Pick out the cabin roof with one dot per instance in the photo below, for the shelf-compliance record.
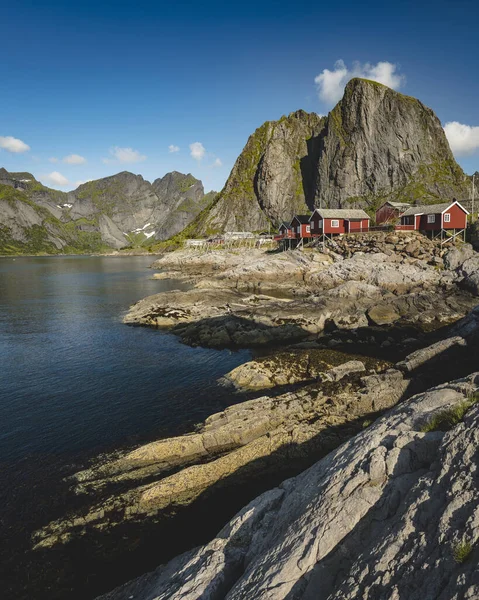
(431, 209)
(303, 219)
(284, 224)
(342, 213)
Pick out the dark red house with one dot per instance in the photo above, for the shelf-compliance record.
(330, 221)
(440, 220)
(284, 229)
(284, 232)
(390, 212)
(300, 227)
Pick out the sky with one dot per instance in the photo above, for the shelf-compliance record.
(89, 89)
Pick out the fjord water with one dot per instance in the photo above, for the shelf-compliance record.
(74, 379)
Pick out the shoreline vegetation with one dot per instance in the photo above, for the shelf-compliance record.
(340, 337)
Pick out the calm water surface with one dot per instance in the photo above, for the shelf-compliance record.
(73, 378)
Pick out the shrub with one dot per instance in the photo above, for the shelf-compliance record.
(450, 417)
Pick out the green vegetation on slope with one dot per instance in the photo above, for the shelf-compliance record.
(38, 238)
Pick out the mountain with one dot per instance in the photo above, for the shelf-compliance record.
(114, 212)
(376, 144)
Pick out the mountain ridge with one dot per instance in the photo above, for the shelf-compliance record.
(118, 211)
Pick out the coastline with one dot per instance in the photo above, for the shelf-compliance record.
(330, 358)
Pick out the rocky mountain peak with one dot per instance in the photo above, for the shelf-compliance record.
(375, 145)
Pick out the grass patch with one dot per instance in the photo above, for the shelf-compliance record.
(461, 551)
(446, 419)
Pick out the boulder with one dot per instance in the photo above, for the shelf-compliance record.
(383, 314)
(348, 368)
(470, 272)
(422, 356)
(456, 256)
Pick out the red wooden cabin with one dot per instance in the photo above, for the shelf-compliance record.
(284, 229)
(435, 217)
(301, 227)
(330, 221)
(390, 212)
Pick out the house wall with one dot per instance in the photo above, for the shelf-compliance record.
(425, 226)
(354, 226)
(294, 229)
(458, 218)
(386, 214)
(409, 220)
(315, 228)
(328, 229)
(344, 226)
(304, 230)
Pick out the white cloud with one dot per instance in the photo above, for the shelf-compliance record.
(330, 84)
(53, 159)
(173, 148)
(463, 139)
(217, 163)
(74, 159)
(197, 150)
(124, 155)
(12, 144)
(56, 178)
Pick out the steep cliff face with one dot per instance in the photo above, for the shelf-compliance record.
(182, 198)
(376, 144)
(272, 178)
(113, 212)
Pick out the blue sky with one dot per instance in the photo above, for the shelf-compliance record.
(117, 83)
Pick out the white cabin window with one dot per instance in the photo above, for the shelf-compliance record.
(431, 218)
(298, 229)
(334, 223)
(308, 228)
(447, 218)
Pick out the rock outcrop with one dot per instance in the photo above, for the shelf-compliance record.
(386, 280)
(375, 145)
(391, 513)
(254, 438)
(297, 366)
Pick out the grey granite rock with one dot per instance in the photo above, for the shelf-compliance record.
(391, 513)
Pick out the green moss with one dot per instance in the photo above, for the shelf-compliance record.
(461, 551)
(12, 195)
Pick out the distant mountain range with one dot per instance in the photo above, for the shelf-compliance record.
(111, 213)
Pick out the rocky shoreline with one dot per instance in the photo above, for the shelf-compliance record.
(344, 334)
